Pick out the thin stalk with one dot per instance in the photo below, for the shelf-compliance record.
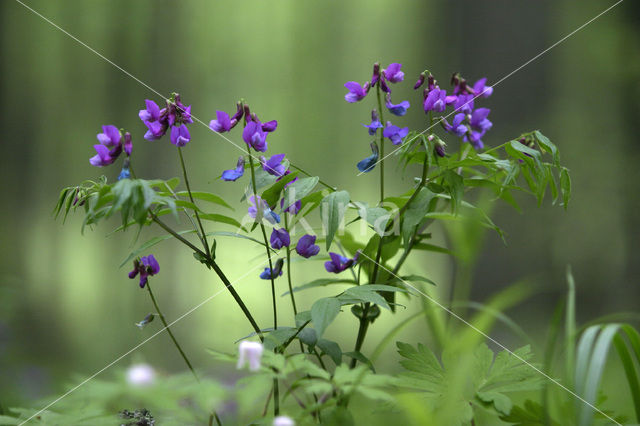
(276, 392)
(217, 270)
(381, 144)
(266, 240)
(213, 414)
(203, 236)
(293, 298)
(166, 326)
(276, 397)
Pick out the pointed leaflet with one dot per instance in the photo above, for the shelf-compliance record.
(323, 312)
(332, 212)
(414, 213)
(298, 189)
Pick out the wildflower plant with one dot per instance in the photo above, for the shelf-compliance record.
(310, 378)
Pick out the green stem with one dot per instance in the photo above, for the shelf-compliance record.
(381, 144)
(266, 240)
(276, 397)
(293, 298)
(203, 236)
(217, 270)
(166, 326)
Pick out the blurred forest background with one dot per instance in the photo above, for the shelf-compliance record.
(66, 308)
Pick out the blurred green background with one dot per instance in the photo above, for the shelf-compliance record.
(66, 308)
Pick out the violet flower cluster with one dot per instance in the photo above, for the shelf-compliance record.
(357, 92)
(468, 123)
(174, 116)
(146, 266)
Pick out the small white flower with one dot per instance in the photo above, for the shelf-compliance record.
(250, 352)
(283, 421)
(141, 375)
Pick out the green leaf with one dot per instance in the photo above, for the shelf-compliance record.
(454, 185)
(332, 212)
(377, 217)
(366, 293)
(206, 196)
(360, 357)
(410, 278)
(546, 144)
(332, 349)
(323, 312)
(414, 213)
(322, 282)
(298, 190)
(565, 186)
(220, 218)
(272, 194)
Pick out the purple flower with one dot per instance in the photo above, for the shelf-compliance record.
(475, 139)
(280, 238)
(152, 113)
(420, 81)
(103, 157)
(481, 89)
(307, 247)
(400, 109)
(267, 213)
(109, 138)
(273, 165)
(395, 133)
(127, 144)
(464, 103)
(222, 124)
(234, 174)
(268, 274)
(156, 130)
(356, 91)
(479, 120)
(456, 127)
(375, 77)
(146, 266)
(180, 135)
(269, 126)
(339, 263)
(293, 208)
(393, 73)
(370, 162)
(436, 100)
(254, 136)
(375, 123)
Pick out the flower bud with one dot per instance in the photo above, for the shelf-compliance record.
(251, 353)
(420, 82)
(283, 421)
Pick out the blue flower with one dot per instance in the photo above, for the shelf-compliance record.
(356, 91)
(375, 123)
(307, 247)
(369, 163)
(339, 263)
(268, 274)
(280, 238)
(399, 109)
(234, 174)
(395, 133)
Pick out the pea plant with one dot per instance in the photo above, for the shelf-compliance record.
(296, 375)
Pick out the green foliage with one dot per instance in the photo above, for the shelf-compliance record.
(332, 212)
(490, 380)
